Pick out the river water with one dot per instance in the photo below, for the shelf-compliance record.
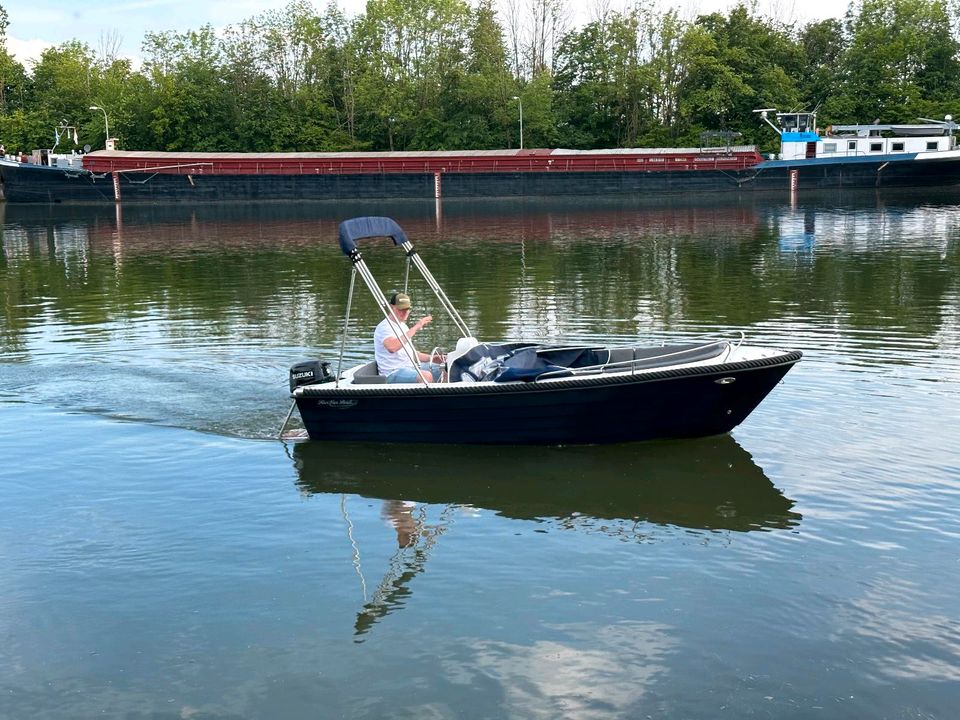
(162, 556)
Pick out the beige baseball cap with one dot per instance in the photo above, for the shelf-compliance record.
(401, 301)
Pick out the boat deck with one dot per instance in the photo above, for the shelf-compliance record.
(453, 162)
(621, 363)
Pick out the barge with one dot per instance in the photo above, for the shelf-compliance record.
(852, 156)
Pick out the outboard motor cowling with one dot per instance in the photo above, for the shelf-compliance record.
(310, 372)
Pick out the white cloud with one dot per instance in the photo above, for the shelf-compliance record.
(26, 52)
(601, 672)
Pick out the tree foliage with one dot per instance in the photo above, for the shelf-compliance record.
(450, 74)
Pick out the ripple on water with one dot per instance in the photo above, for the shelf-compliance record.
(807, 561)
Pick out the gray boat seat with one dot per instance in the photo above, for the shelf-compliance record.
(647, 357)
(368, 375)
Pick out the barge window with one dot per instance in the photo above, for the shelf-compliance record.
(851, 144)
(897, 146)
(829, 147)
(876, 147)
(933, 145)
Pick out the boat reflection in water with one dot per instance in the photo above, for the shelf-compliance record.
(623, 490)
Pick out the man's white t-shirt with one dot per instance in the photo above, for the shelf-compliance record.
(387, 361)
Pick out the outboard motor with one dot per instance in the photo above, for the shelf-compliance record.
(310, 372)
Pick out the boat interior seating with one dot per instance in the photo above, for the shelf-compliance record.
(527, 362)
(642, 358)
(368, 375)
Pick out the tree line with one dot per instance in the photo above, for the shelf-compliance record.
(447, 74)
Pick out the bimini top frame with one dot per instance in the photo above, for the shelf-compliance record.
(369, 227)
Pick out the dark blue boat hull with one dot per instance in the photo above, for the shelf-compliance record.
(40, 184)
(879, 171)
(694, 402)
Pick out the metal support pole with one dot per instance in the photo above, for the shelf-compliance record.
(286, 420)
(415, 258)
(405, 342)
(346, 326)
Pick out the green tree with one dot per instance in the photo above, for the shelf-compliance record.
(539, 120)
(191, 104)
(409, 51)
(671, 43)
(824, 81)
(437, 74)
(480, 110)
(64, 81)
(592, 66)
(739, 63)
(13, 77)
(902, 59)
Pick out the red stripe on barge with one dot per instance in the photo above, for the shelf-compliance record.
(474, 161)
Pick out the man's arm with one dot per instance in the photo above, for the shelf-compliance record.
(392, 342)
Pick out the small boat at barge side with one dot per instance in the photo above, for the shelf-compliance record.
(850, 156)
(529, 393)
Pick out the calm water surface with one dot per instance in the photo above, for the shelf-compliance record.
(161, 556)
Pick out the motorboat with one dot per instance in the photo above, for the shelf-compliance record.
(517, 392)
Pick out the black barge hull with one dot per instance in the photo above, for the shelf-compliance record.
(25, 183)
(35, 184)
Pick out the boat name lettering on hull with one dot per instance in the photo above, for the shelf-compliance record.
(338, 404)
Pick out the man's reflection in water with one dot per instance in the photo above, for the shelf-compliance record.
(415, 539)
(399, 513)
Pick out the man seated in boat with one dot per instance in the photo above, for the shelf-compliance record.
(392, 359)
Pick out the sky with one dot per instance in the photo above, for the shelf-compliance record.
(38, 24)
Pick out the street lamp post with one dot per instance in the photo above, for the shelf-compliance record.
(520, 103)
(106, 124)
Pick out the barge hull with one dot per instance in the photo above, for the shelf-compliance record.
(25, 183)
